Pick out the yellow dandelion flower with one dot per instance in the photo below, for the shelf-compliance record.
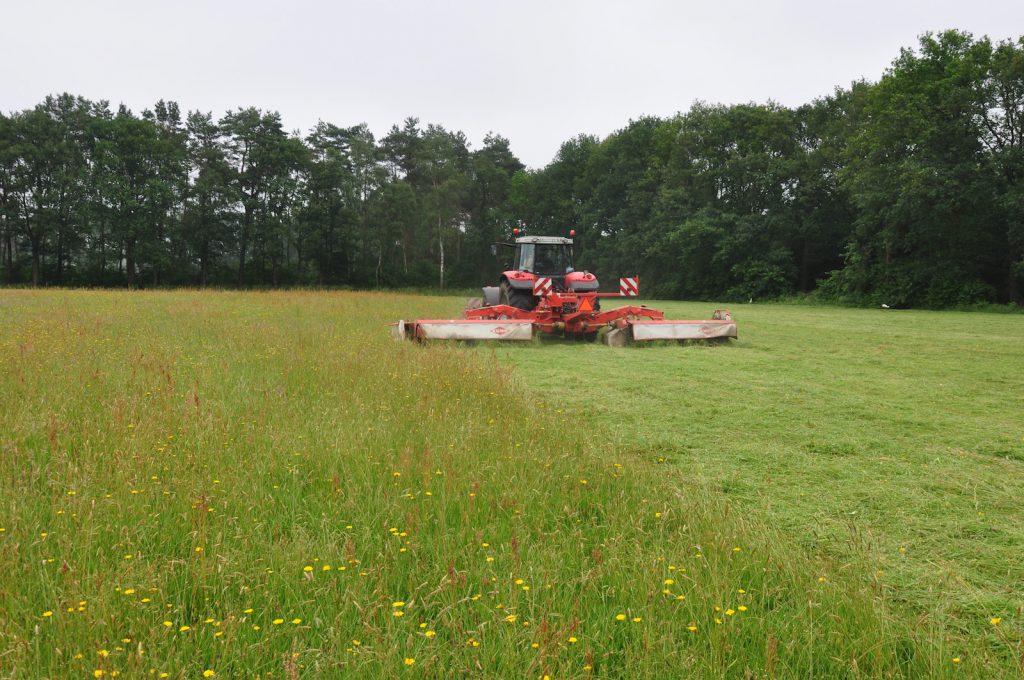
(184, 628)
(98, 673)
(742, 608)
(129, 591)
(326, 567)
(669, 581)
(398, 613)
(430, 634)
(620, 617)
(208, 673)
(409, 661)
(47, 614)
(573, 640)
(278, 622)
(398, 604)
(255, 627)
(247, 611)
(535, 646)
(637, 619)
(296, 621)
(995, 620)
(103, 653)
(729, 612)
(692, 628)
(956, 659)
(307, 568)
(168, 624)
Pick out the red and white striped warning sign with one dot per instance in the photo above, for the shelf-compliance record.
(542, 286)
(630, 286)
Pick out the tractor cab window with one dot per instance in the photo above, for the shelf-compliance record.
(545, 259)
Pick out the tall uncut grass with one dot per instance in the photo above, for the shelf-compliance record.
(266, 485)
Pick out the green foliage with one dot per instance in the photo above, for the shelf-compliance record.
(908, 192)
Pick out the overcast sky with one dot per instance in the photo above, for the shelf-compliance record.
(535, 72)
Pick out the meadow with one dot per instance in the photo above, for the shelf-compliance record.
(265, 485)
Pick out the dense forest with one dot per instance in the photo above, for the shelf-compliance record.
(907, 191)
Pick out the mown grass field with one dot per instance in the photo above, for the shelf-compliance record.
(266, 485)
(896, 435)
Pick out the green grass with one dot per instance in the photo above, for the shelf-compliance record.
(175, 461)
(897, 435)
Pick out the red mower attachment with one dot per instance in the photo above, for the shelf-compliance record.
(572, 314)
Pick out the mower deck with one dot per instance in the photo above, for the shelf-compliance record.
(571, 314)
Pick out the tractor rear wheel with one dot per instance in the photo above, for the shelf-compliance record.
(520, 299)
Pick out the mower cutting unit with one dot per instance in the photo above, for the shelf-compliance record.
(543, 293)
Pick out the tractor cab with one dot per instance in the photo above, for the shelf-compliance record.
(533, 258)
(543, 255)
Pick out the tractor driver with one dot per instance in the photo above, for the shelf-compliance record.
(544, 263)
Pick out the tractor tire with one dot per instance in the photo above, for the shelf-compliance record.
(520, 299)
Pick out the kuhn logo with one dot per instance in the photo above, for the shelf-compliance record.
(499, 330)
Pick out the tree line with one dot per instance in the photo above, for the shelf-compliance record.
(907, 191)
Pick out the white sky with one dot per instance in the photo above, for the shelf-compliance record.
(535, 72)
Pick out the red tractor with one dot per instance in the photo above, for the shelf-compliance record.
(548, 257)
(544, 292)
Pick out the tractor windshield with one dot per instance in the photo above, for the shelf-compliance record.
(545, 259)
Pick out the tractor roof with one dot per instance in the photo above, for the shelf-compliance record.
(545, 239)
